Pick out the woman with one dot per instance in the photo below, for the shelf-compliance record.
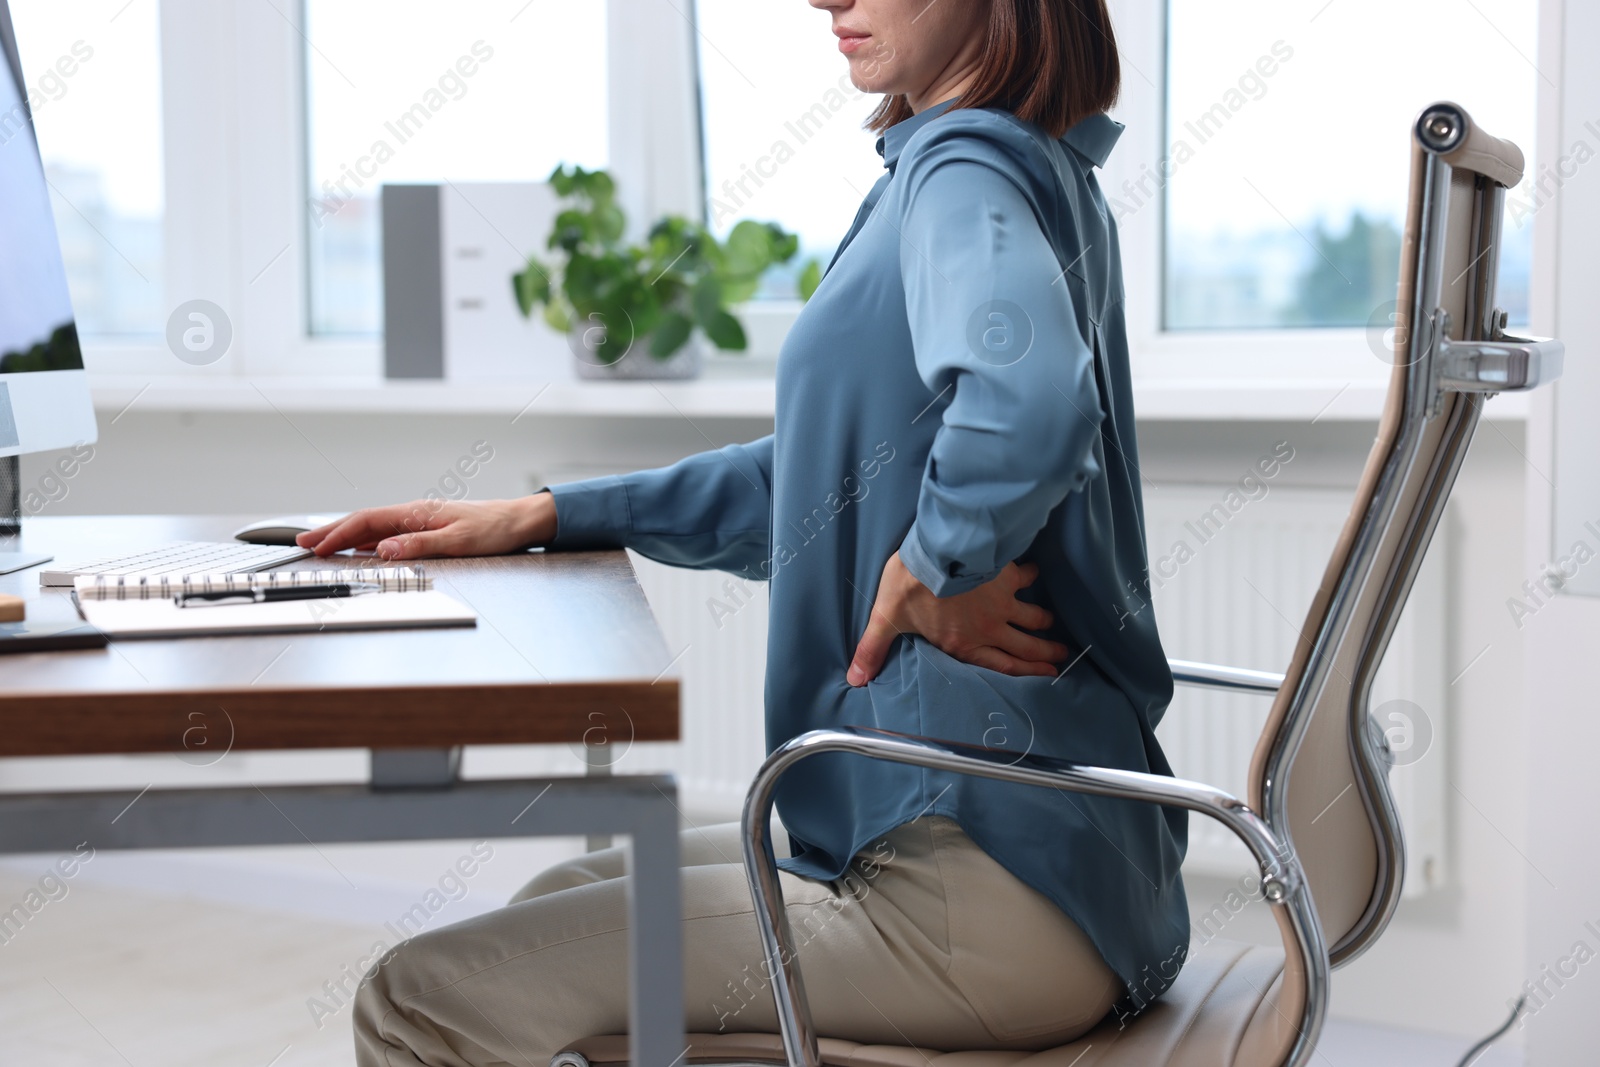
(950, 520)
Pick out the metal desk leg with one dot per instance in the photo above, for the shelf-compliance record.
(655, 937)
(597, 764)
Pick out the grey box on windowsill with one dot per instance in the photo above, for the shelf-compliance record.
(450, 312)
(413, 282)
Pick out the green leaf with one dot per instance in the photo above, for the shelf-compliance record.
(591, 334)
(669, 289)
(749, 248)
(642, 305)
(672, 231)
(725, 332)
(600, 187)
(523, 294)
(810, 278)
(739, 290)
(585, 276)
(670, 334)
(621, 334)
(707, 301)
(555, 314)
(572, 228)
(784, 245)
(616, 332)
(531, 286)
(609, 223)
(748, 230)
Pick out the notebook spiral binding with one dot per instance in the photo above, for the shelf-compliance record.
(408, 579)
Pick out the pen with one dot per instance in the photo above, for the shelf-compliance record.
(258, 595)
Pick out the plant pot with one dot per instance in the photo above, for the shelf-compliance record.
(636, 363)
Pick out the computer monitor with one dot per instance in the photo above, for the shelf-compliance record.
(44, 390)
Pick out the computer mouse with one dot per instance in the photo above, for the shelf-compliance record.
(280, 531)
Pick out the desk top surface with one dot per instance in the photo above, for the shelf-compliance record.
(565, 644)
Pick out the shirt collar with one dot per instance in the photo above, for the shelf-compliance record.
(896, 136)
(1093, 137)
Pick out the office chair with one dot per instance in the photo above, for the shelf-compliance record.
(1331, 871)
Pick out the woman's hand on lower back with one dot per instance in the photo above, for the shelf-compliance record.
(426, 528)
(980, 627)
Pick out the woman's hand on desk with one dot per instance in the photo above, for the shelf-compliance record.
(425, 528)
(978, 627)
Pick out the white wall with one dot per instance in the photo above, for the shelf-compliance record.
(265, 463)
(1561, 870)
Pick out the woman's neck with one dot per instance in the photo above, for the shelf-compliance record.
(953, 83)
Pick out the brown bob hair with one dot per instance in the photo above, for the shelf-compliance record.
(1049, 62)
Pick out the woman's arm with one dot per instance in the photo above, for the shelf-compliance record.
(711, 510)
(994, 330)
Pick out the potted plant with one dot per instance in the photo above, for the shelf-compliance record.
(638, 311)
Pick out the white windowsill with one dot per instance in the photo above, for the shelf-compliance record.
(706, 398)
(1198, 376)
(718, 395)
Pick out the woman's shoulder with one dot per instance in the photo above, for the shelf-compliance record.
(993, 137)
(982, 127)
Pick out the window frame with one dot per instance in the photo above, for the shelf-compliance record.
(234, 123)
(1249, 361)
(234, 130)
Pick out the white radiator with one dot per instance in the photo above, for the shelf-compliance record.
(719, 623)
(716, 629)
(1237, 601)
(1240, 601)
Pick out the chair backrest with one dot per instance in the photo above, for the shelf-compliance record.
(1320, 771)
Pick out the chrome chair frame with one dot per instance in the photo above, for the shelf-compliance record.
(1282, 879)
(1484, 362)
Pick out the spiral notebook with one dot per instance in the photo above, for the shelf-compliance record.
(145, 607)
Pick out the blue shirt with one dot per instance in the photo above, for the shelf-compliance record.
(957, 390)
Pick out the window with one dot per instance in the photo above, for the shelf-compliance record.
(93, 74)
(235, 152)
(418, 91)
(1287, 154)
(782, 128)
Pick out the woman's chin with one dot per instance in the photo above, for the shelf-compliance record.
(866, 77)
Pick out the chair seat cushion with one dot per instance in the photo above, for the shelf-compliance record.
(1223, 1011)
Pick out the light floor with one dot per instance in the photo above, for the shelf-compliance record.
(212, 959)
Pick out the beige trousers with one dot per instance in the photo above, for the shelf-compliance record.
(925, 941)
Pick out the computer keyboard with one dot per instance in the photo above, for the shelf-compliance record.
(181, 557)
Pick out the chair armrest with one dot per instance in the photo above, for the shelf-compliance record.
(1506, 365)
(1211, 676)
(1282, 877)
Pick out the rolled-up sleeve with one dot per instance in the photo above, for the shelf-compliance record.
(995, 335)
(711, 511)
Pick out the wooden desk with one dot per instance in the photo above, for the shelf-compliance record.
(565, 646)
(559, 637)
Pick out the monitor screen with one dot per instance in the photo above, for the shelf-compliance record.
(37, 332)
